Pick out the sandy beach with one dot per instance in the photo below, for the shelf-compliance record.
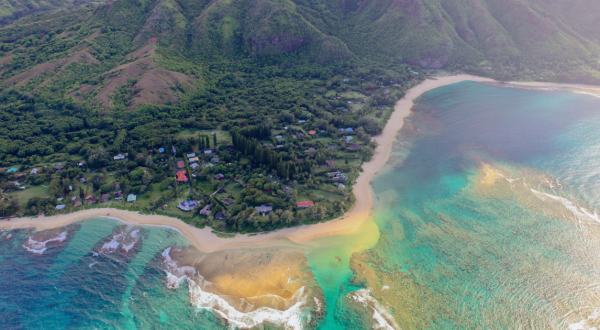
(206, 241)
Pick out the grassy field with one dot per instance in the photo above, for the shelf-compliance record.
(25, 195)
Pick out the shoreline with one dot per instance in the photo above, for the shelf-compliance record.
(349, 223)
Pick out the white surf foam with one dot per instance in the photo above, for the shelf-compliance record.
(577, 210)
(125, 240)
(380, 315)
(36, 247)
(290, 319)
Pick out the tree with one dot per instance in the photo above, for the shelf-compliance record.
(273, 218)
(149, 161)
(97, 157)
(287, 216)
(215, 139)
(147, 177)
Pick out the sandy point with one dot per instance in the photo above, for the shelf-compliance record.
(207, 241)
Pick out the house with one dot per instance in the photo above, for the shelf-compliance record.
(341, 186)
(118, 195)
(264, 209)
(305, 204)
(207, 152)
(180, 164)
(215, 160)
(91, 199)
(77, 203)
(337, 175)
(209, 165)
(386, 92)
(220, 216)
(280, 146)
(181, 176)
(301, 121)
(279, 137)
(186, 206)
(60, 199)
(83, 180)
(300, 135)
(104, 198)
(81, 164)
(287, 190)
(34, 171)
(161, 150)
(131, 198)
(60, 207)
(310, 150)
(332, 146)
(349, 129)
(219, 176)
(59, 166)
(330, 163)
(192, 155)
(194, 160)
(194, 166)
(349, 138)
(119, 157)
(227, 201)
(312, 132)
(355, 146)
(205, 210)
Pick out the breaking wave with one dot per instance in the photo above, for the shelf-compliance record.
(39, 247)
(241, 313)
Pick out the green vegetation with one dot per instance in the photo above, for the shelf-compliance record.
(270, 96)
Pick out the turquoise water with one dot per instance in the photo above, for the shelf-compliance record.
(485, 218)
(475, 217)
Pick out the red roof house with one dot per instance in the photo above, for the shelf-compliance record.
(305, 204)
(312, 132)
(181, 176)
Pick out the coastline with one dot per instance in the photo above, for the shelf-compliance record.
(350, 223)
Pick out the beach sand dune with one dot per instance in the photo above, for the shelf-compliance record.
(205, 240)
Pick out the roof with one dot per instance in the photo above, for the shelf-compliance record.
(264, 208)
(220, 216)
(161, 150)
(180, 164)
(34, 171)
(181, 176)
(349, 129)
(60, 207)
(305, 204)
(208, 152)
(105, 197)
(131, 198)
(219, 176)
(194, 159)
(191, 155)
(330, 163)
(194, 165)
(311, 132)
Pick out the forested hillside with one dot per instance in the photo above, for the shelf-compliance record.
(235, 104)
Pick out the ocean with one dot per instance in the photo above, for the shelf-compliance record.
(484, 217)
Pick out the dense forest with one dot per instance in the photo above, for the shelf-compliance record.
(210, 110)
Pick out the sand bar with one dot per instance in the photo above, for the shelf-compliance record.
(207, 241)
